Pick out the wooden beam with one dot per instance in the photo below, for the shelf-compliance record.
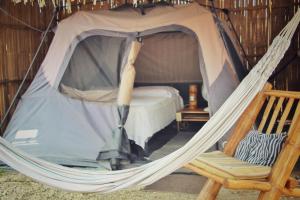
(288, 94)
(291, 192)
(291, 183)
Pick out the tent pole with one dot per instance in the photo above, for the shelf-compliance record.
(28, 70)
(226, 12)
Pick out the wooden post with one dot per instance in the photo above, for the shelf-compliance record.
(286, 161)
(210, 190)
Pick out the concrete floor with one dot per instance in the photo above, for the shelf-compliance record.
(182, 180)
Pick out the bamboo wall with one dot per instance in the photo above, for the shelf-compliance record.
(18, 45)
(256, 23)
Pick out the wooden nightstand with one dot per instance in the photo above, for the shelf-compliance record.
(191, 115)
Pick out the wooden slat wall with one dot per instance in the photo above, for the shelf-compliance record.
(18, 45)
(257, 22)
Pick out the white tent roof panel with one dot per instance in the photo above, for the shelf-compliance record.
(81, 24)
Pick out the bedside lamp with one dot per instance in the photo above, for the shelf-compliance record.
(193, 96)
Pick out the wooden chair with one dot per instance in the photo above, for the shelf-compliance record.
(222, 169)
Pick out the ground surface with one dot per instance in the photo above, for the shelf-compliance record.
(14, 186)
(18, 187)
(181, 185)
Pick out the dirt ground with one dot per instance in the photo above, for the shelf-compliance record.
(13, 185)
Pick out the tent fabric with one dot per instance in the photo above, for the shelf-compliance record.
(108, 95)
(128, 76)
(196, 17)
(214, 129)
(235, 57)
(170, 57)
(118, 147)
(71, 129)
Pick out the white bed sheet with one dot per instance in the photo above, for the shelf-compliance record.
(152, 108)
(150, 114)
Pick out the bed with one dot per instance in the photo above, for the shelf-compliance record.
(152, 108)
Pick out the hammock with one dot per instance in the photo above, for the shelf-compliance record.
(107, 181)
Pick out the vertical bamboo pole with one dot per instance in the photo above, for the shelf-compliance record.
(286, 161)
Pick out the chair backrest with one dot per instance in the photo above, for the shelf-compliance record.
(273, 111)
(280, 111)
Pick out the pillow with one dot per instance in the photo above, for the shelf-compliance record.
(249, 142)
(155, 91)
(260, 148)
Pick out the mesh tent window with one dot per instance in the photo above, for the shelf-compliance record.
(95, 63)
(168, 57)
(165, 57)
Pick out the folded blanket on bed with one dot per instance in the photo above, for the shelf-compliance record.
(109, 95)
(155, 91)
(90, 95)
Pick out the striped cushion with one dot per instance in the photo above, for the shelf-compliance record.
(259, 148)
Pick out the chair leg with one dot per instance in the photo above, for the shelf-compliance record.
(210, 190)
(273, 194)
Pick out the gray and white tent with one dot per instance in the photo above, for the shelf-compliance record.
(98, 51)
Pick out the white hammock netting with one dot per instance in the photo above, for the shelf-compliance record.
(106, 181)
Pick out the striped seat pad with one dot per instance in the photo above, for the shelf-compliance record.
(260, 148)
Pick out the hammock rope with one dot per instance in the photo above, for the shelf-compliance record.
(107, 181)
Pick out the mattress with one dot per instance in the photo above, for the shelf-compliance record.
(150, 111)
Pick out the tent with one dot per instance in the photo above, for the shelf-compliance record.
(99, 50)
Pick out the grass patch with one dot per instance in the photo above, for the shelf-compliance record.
(2, 172)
